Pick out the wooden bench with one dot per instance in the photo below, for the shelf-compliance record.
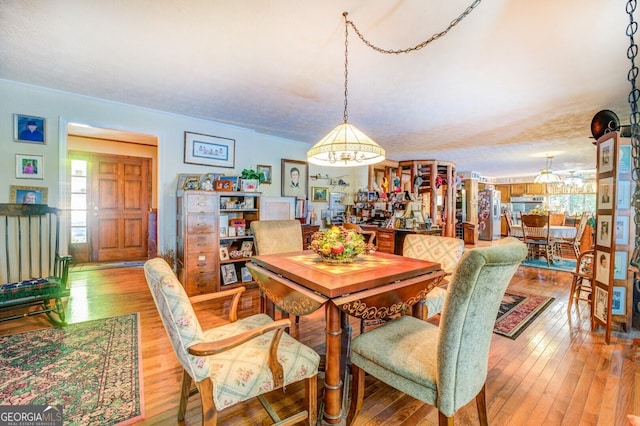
(34, 276)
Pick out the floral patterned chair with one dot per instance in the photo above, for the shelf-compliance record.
(233, 362)
(444, 366)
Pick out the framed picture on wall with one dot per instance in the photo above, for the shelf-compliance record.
(622, 229)
(624, 160)
(29, 166)
(606, 156)
(267, 172)
(319, 194)
(602, 267)
(618, 300)
(27, 128)
(209, 150)
(600, 304)
(28, 194)
(295, 178)
(620, 265)
(605, 193)
(604, 230)
(624, 194)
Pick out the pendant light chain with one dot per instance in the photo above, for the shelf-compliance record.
(434, 37)
(634, 119)
(346, 64)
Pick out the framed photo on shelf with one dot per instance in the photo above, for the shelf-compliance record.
(27, 128)
(246, 275)
(295, 178)
(620, 264)
(29, 166)
(605, 193)
(267, 172)
(209, 150)
(28, 194)
(606, 156)
(320, 194)
(246, 246)
(224, 253)
(618, 300)
(604, 230)
(229, 275)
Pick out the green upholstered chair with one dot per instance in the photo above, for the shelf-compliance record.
(446, 365)
(233, 362)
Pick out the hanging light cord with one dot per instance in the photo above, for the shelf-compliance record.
(634, 119)
(419, 46)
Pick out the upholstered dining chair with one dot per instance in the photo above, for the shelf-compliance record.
(535, 231)
(276, 236)
(446, 365)
(234, 362)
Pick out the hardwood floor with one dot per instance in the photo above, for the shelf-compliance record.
(557, 372)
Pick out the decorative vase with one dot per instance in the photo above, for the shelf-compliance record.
(250, 185)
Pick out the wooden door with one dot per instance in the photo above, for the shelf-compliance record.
(119, 207)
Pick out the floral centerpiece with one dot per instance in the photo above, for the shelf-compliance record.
(338, 245)
(541, 211)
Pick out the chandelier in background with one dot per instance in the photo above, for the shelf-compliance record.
(346, 145)
(546, 175)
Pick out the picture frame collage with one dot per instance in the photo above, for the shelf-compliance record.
(613, 233)
(29, 129)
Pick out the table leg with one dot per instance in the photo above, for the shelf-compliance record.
(332, 379)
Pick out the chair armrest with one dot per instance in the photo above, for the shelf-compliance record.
(235, 292)
(218, 346)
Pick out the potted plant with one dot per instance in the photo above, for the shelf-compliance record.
(251, 179)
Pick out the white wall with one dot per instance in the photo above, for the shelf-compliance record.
(59, 108)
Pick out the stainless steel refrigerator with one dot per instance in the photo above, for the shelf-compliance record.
(488, 215)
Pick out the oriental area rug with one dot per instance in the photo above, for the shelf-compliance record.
(92, 369)
(518, 311)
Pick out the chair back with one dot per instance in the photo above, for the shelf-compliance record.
(371, 235)
(276, 236)
(581, 227)
(177, 314)
(507, 219)
(444, 250)
(535, 227)
(557, 219)
(468, 316)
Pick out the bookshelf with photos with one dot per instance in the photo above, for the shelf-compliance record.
(214, 241)
(615, 234)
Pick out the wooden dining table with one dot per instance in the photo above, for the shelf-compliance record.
(375, 286)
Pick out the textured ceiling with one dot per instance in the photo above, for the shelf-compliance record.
(513, 83)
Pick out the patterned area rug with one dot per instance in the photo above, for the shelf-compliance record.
(517, 312)
(93, 369)
(568, 265)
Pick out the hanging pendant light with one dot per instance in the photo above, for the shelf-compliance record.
(546, 175)
(346, 146)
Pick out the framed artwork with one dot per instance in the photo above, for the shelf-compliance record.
(224, 253)
(605, 193)
(295, 178)
(620, 265)
(600, 305)
(27, 128)
(29, 166)
(606, 156)
(229, 275)
(623, 197)
(622, 230)
(604, 230)
(246, 274)
(267, 172)
(28, 194)
(602, 267)
(624, 160)
(246, 246)
(209, 150)
(320, 194)
(336, 201)
(618, 300)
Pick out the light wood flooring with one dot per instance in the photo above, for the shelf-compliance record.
(557, 372)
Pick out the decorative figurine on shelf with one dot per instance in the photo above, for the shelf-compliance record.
(385, 184)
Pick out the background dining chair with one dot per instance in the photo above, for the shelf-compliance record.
(446, 365)
(572, 243)
(535, 231)
(582, 283)
(370, 236)
(557, 219)
(233, 362)
(511, 230)
(272, 237)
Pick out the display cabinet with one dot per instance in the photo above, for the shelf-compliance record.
(213, 239)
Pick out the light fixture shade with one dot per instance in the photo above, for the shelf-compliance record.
(546, 176)
(346, 146)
